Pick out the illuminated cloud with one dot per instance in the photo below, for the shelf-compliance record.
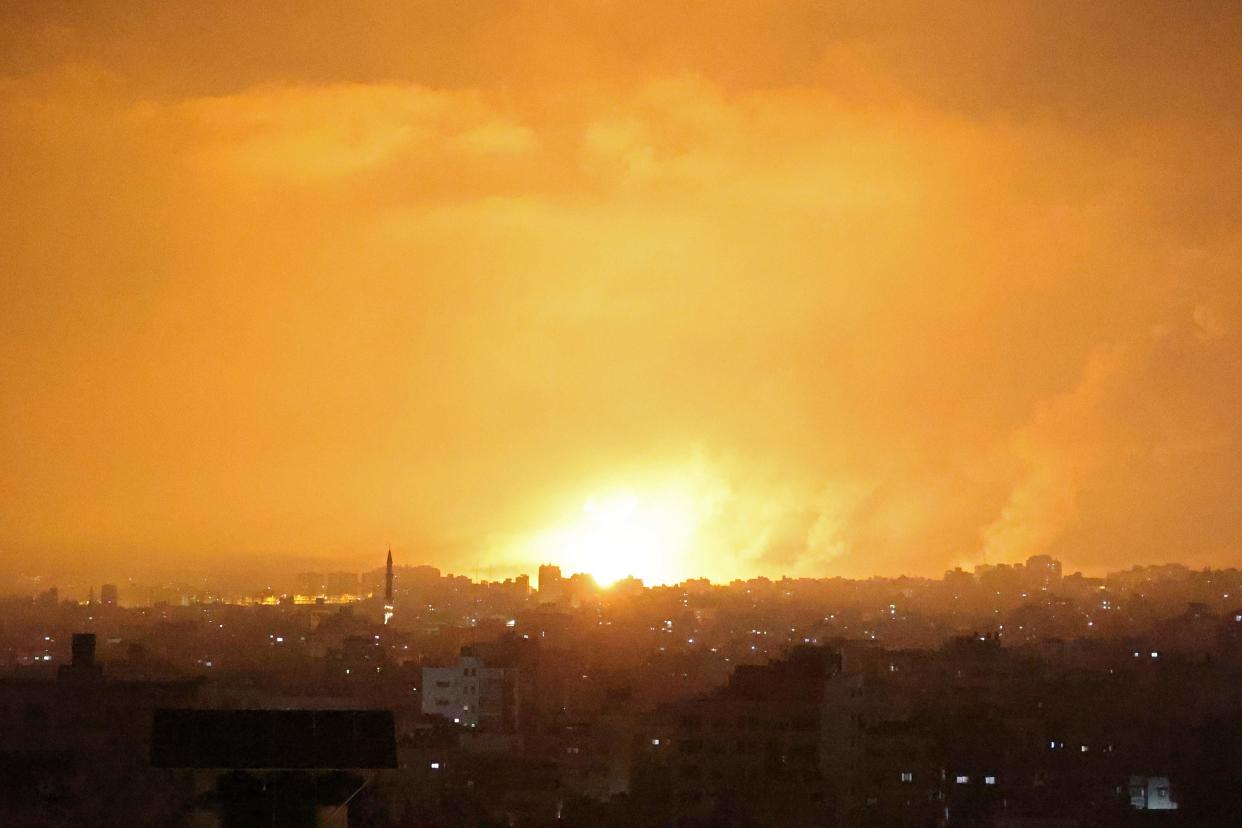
(1119, 468)
(893, 287)
(322, 132)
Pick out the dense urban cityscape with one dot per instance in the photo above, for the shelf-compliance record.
(620, 414)
(1013, 695)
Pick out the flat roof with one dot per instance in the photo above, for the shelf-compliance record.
(290, 739)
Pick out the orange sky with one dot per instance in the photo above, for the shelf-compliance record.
(875, 287)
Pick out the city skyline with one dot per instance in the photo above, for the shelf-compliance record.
(861, 701)
(281, 575)
(345, 587)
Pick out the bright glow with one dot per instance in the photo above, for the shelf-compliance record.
(622, 535)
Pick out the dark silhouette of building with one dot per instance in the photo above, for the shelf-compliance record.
(775, 747)
(550, 584)
(83, 667)
(273, 739)
(91, 736)
(275, 767)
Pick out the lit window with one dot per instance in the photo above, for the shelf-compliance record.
(435, 765)
(962, 780)
(655, 742)
(1155, 654)
(1162, 792)
(989, 780)
(1083, 748)
(907, 776)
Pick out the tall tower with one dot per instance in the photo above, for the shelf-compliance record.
(388, 604)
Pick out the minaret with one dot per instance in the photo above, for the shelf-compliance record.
(388, 604)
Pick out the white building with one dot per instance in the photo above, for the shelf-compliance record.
(471, 693)
(1151, 793)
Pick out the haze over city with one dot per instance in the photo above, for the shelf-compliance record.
(599, 414)
(791, 288)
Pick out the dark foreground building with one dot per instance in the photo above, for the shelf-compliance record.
(74, 750)
(777, 746)
(291, 768)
